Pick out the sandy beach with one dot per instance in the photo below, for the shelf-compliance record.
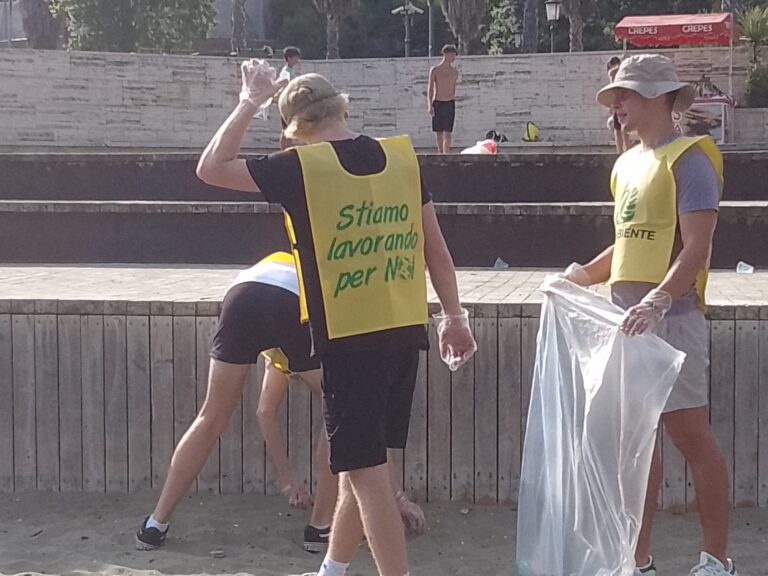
(79, 534)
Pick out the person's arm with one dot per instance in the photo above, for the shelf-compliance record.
(599, 268)
(274, 389)
(696, 231)
(457, 345)
(410, 512)
(442, 273)
(431, 91)
(219, 165)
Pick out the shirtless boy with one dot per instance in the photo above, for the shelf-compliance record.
(441, 94)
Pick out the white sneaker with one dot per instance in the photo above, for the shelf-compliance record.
(710, 566)
(647, 570)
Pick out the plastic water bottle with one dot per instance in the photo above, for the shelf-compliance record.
(744, 268)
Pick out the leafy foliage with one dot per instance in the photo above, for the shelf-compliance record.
(464, 17)
(499, 36)
(754, 29)
(131, 25)
(757, 86)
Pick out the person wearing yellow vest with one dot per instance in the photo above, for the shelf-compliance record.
(666, 193)
(259, 314)
(364, 230)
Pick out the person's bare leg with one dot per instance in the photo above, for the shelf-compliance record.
(439, 138)
(692, 435)
(643, 549)
(225, 386)
(347, 531)
(381, 518)
(447, 139)
(327, 488)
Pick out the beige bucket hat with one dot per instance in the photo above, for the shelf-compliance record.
(650, 75)
(303, 91)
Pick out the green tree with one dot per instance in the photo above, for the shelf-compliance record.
(130, 25)
(334, 11)
(464, 18)
(42, 28)
(754, 29)
(499, 35)
(239, 39)
(578, 12)
(530, 25)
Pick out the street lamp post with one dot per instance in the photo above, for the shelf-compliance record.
(407, 10)
(518, 36)
(430, 32)
(553, 15)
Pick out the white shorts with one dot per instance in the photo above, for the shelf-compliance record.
(688, 333)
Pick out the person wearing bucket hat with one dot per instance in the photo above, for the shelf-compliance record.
(363, 230)
(666, 192)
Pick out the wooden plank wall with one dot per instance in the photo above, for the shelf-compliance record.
(97, 395)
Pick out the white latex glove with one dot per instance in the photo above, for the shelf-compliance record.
(412, 515)
(259, 82)
(574, 273)
(646, 315)
(298, 497)
(457, 345)
(577, 274)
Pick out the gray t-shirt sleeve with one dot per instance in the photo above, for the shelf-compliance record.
(696, 181)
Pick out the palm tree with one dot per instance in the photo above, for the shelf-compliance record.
(43, 30)
(239, 37)
(464, 18)
(754, 29)
(577, 12)
(334, 11)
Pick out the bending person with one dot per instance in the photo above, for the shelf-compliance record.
(260, 312)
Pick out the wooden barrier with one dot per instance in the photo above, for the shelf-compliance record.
(95, 395)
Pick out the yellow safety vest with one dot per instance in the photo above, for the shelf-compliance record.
(645, 212)
(369, 240)
(277, 358)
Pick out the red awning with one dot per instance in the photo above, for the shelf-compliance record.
(675, 30)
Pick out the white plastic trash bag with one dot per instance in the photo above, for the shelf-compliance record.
(596, 400)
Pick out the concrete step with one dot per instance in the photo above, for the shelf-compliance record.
(522, 234)
(168, 175)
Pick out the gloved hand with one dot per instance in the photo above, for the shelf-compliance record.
(574, 273)
(259, 82)
(457, 345)
(647, 314)
(298, 496)
(412, 515)
(578, 275)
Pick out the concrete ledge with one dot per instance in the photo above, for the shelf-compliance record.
(561, 176)
(523, 234)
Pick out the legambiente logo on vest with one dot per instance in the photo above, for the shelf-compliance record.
(626, 213)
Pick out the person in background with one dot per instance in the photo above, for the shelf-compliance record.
(289, 71)
(441, 98)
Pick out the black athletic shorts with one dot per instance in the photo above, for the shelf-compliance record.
(256, 317)
(445, 114)
(367, 397)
